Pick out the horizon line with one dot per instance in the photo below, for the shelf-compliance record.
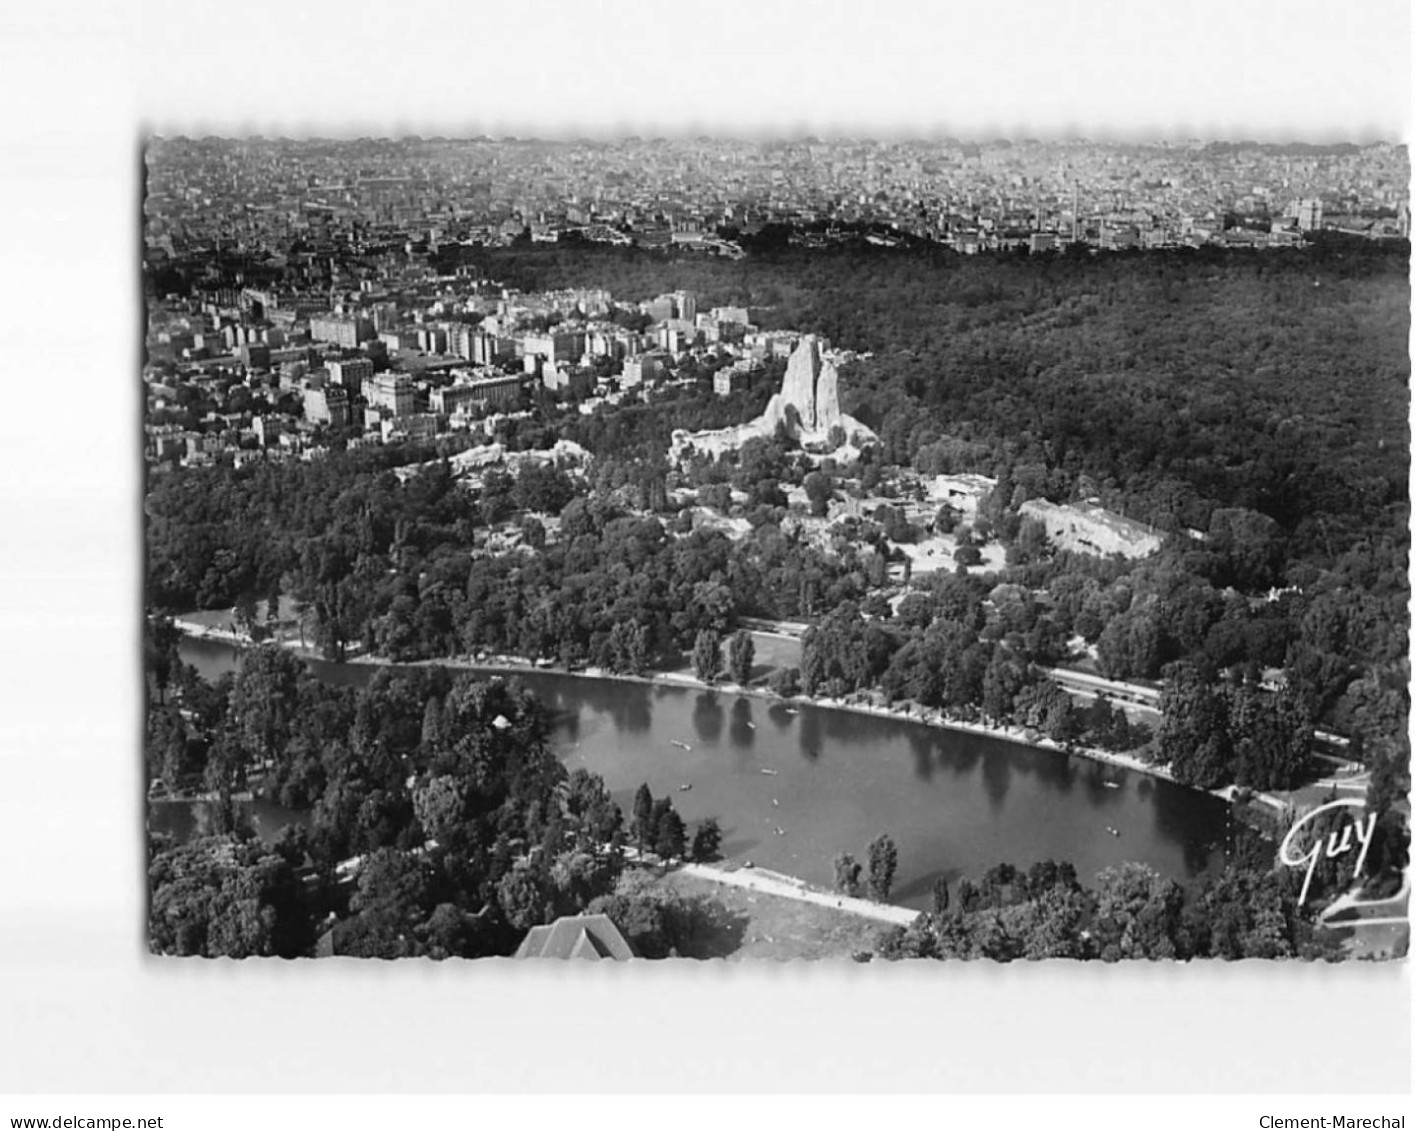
(786, 135)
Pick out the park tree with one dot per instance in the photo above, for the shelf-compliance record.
(1194, 729)
(273, 592)
(440, 804)
(642, 824)
(1248, 549)
(847, 874)
(1138, 914)
(533, 532)
(432, 732)
(393, 897)
(1389, 762)
(243, 614)
(523, 895)
(707, 655)
(224, 897)
(1031, 543)
(1052, 925)
(967, 556)
(1129, 646)
(1245, 912)
(265, 700)
(1271, 736)
(740, 654)
(160, 656)
(451, 932)
(884, 860)
(166, 746)
(968, 896)
(671, 838)
(940, 895)
(843, 652)
(707, 841)
(819, 490)
(628, 647)
(1003, 681)
(1389, 786)
(914, 610)
(784, 682)
(589, 804)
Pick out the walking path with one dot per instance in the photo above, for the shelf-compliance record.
(1399, 903)
(788, 887)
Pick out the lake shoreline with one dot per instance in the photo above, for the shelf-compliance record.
(926, 716)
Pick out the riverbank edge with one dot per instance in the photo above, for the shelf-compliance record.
(763, 881)
(925, 716)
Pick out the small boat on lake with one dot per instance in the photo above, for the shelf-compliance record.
(681, 745)
(1111, 785)
(687, 785)
(771, 772)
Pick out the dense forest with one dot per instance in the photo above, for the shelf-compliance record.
(1175, 382)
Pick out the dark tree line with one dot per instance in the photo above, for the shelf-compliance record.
(1131, 912)
(396, 568)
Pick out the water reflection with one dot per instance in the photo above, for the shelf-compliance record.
(564, 723)
(922, 747)
(782, 715)
(1102, 788)
(737, 847)
(810, 737)
(962, 759)
(743, 729)
(997, 776)
(1175, 820)
(632, 713)
(920, 889)
(708, 716)
(1058, 772)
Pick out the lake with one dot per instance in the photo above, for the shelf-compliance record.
(955, 803)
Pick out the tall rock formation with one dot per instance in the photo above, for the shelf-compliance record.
(798, 390)
(808, 405)
(828, 413)
(812, 388)
(799, 387)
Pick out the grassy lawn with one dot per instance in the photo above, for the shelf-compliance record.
(1386, 940)
(775, 927)
(771, 652)
(774, 652)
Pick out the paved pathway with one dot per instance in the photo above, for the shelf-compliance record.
(773, 883)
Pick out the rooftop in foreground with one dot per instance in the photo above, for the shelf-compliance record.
(577, 936)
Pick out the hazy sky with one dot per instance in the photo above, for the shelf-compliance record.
(1208, 68)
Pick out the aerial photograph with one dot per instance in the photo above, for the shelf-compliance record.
(712, 545)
